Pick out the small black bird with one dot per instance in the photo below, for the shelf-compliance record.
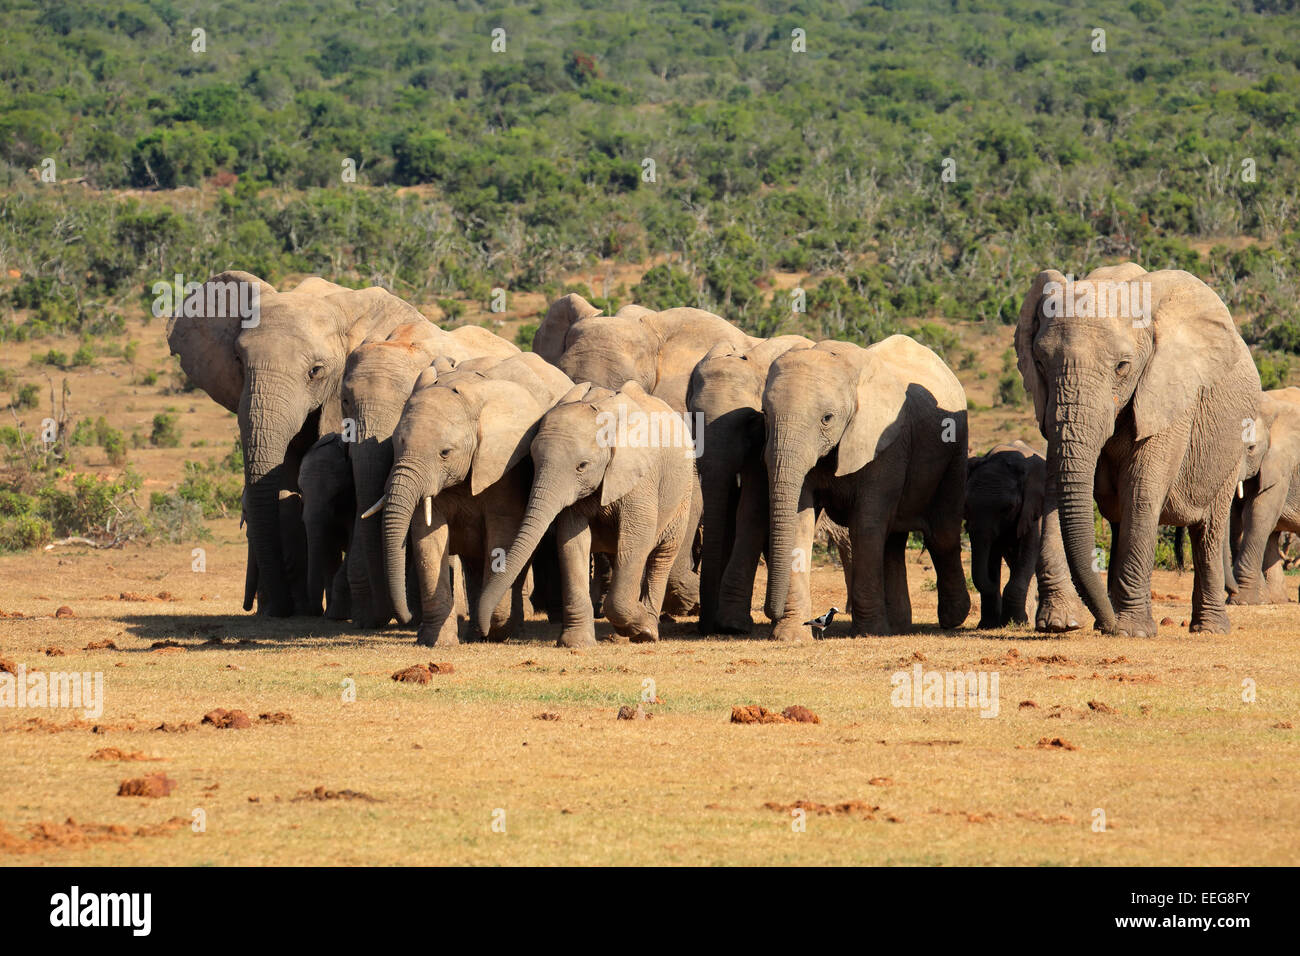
(819, 624)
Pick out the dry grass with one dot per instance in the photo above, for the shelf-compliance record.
(1186, 772)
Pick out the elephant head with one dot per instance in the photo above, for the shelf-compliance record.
(836, 402)
(327, 505)
(1005, 492)
(1121, 346)
(725, 399)
(553, 331)
(279, 368)
(574, 457)
(459, 427)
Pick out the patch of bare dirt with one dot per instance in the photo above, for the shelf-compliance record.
(150, 785)
(1100, 708)
(755, 714)
(278, 717)
(104, 645)
(422, 673)
(1055, 743)
(53, 651)
(847, 808)
(117, 754)
(44, 835)
(546, 715)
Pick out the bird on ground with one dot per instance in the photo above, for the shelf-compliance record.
(819, 624)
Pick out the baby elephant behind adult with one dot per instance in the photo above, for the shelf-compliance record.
(614, 472)
(879, 435)
(1009, 518)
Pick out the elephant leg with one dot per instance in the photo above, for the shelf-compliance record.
(1208, 612)
(944, 543)
(986, 572)
(340, 597)
(1129, 577)
(432, 568)
(1274, 579)
(657, 570)
(898, 602)
(573, 542)
(682, 598)
(736, 592)
(1259, 519)
(844, 548)
(870, 611)
(1023, 558)
(798, 600)
(1112, 565)
(293, 545)
(503, 614)
(1057, 601)
(600, 576)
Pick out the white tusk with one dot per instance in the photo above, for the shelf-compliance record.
(377, 506)
(1241, 491)
(241, 522)
(428, 511)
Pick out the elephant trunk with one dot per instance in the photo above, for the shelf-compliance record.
(250, 578)
(545, 501)
(318, 560)
(1072, 455)
(371, 462)
(403, 496)
(789, 460)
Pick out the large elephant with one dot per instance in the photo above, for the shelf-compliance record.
(377, 381)
(279, 366)
(461, 446)
(880, 435)
(725, 401)
(1145, 393)
(328, 503)
(1270, 502)
(622, 490)
(658, 351)
(1009, 519)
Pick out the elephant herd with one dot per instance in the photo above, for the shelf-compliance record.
(640, 465)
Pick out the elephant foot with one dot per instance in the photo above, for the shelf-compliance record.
(1055, 617)
(1247, 594)
(577, 637)
(952, 614)
(988, 624)
(645, 636)
(428, 635)
(1210, 622)
(880, 627)
(336, 613)
(791, 631)
(1135, 624)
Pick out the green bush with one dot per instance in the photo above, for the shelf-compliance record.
(166, 432)
(28, 396)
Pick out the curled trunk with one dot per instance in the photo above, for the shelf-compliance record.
(544, 503)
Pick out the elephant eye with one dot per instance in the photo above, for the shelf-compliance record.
(445, 453)
(316, 370)
(826, 419)
(1122, 368)
(582, 465)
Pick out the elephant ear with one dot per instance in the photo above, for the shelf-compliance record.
(1026, 332)
(554, 383)
(507, 422)
(575, 394)
(376, 314)
(628, 464)
(206, 343)
(1033, 494)
(549, 339)
(877, 420)
(1194, 345)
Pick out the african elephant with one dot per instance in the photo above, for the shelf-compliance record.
(377, 381)
(327, 508)
(1145, 393)
(658, 351)
(725, 401)
(1270, 502)
(614, 472)
(1008, 519)
(879, 434)
(461, 445)
(277, 359)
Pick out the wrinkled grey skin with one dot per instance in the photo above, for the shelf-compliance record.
(631, 502)
(1007, 521)
(1147, 416)
(462, 445)
(658, 351)
(725, 396)
(1270, 504)
(377, 381)
(281, 374)
(880, 434)
(327, 508)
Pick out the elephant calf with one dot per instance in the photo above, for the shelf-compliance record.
(614, 471)
(327, 507)
(1008, 520)
(1270, 502)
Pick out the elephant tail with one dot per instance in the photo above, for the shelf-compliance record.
(1180, 545)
